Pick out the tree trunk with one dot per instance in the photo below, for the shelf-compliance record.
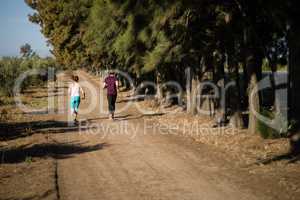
(236, 119)
(294, 75)
(159, 92)
(273, 84)
(188, 89)
(126, 84)
(194, 91)
(294, 79)
(253, 104)
(253, 66)
(191, 93)
(220, 104)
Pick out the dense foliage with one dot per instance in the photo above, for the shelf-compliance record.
(12, 67)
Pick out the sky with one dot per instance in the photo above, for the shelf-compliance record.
(16, 30)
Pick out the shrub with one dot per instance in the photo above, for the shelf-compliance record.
(12, 67)
(268, 132)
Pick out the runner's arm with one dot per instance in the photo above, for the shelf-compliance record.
(69, 89)
(82, 92)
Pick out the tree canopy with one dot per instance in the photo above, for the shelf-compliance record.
(167, 37)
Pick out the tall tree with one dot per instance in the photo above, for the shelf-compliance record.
(26, 51)
(63, 23)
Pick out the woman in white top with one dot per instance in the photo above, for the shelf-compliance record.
(75, 91)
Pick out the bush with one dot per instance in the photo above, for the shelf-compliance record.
(267, 132)
(12, 67)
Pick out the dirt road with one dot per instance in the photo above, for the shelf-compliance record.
(137, 156)
(129, 159)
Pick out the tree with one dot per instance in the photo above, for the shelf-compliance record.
(159, 40)
(26, 51)
(63, 23)
(294, 71)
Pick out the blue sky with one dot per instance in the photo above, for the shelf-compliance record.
(16, 30)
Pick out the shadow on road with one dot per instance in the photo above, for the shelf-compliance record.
(126, 117)
(14, 130)
(130, 117)
(289, 157)
(55, 150)
(37, 196)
